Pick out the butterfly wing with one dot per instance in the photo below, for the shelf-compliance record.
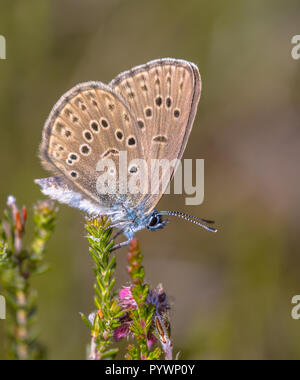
(60, 190)
(163, 96)
(88, 124)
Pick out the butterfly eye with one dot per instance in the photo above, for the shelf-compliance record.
(153, 221)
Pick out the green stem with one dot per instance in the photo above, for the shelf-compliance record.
(18, 265)
(106, 319)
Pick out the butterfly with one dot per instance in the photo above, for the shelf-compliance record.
(148, 112)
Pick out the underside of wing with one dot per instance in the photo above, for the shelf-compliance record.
(57, 189)
(163, 96)
(89, 124)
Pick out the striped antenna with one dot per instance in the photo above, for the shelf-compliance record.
(193, 219)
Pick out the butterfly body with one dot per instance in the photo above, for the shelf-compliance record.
(147, 112)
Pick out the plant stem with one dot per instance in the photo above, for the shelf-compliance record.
(103, 322)
(17, 266)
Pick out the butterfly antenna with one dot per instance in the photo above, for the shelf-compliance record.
(193, 219)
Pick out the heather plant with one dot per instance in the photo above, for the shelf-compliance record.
(136, 312)
(18, 264)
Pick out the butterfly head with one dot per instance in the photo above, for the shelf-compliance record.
(155, 221)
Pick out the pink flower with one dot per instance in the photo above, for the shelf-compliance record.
(158, 298)
(151, 340)
(155, 297)
(127, 301)
(123, 331)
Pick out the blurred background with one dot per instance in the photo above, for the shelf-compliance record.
(231, 291)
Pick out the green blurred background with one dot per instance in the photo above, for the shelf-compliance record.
(231, 291)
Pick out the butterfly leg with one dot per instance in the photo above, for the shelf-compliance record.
(113, 238)
(118, 246)
(117, 234)
(118, 225)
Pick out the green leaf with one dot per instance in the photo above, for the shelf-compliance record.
(110, 354)
(86, 321)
